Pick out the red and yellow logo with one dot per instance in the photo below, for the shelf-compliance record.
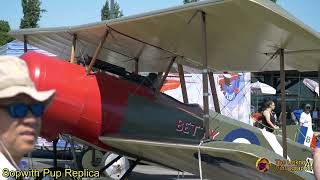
(263, 164)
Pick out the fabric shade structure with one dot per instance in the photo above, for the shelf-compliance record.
(262, 88)
(312, 85)
(155, 37)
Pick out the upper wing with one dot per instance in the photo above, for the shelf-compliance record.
(219, 159)
(241, 33)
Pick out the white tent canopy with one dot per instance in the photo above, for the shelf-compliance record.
(241, 36)
(312, 85)
(262, 88)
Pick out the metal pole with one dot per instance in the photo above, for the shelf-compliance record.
(55, 155)
(183, 83)
(214, 93)
(205, 76)
(112, 9)
(283, 104)
(25, 43)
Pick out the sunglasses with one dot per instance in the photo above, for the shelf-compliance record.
(20, 110)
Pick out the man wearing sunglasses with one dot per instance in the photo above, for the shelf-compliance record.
(21, 109)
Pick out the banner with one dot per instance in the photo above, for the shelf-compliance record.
(233, 91)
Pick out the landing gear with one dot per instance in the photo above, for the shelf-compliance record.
(55, 156)
(92, 159)
(128, 172)
(117, 167)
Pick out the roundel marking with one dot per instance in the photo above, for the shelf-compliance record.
(244, 134)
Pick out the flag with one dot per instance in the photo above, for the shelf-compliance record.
(306, 137)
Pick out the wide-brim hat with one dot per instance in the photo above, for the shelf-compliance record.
(15, 80)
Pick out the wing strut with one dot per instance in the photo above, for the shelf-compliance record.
(205, 75)
(214, 93)
(73, 49)
(136, 64)
(164, 77)
(97, 51)
(183, 83)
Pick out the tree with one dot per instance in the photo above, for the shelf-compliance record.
(105, 11)
(4, 29)
(117, 12)
(31, 13)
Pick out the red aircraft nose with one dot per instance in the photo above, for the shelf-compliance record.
(77, 107)
(85, 106)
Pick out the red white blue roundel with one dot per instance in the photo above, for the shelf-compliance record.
(242, 135)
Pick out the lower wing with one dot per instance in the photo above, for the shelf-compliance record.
(219, 159)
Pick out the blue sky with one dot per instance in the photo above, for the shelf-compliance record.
(75, 12)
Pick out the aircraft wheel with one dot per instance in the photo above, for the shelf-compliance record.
(88, 163)
(117, 169)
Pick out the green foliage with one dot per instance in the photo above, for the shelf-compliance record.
(117, 12)
(4, 26)
(31, 13)
(4, 29)
(105, 11)
(189, 1)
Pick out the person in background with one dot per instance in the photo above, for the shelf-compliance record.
(268, 119)
(315, 118)
(305, 118)
(294, 118)
(290, 117)
(21, 109)
(297, 112)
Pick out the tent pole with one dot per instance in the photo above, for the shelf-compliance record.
(283, 104)
(205, 76)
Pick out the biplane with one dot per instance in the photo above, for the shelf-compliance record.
(103, 102)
